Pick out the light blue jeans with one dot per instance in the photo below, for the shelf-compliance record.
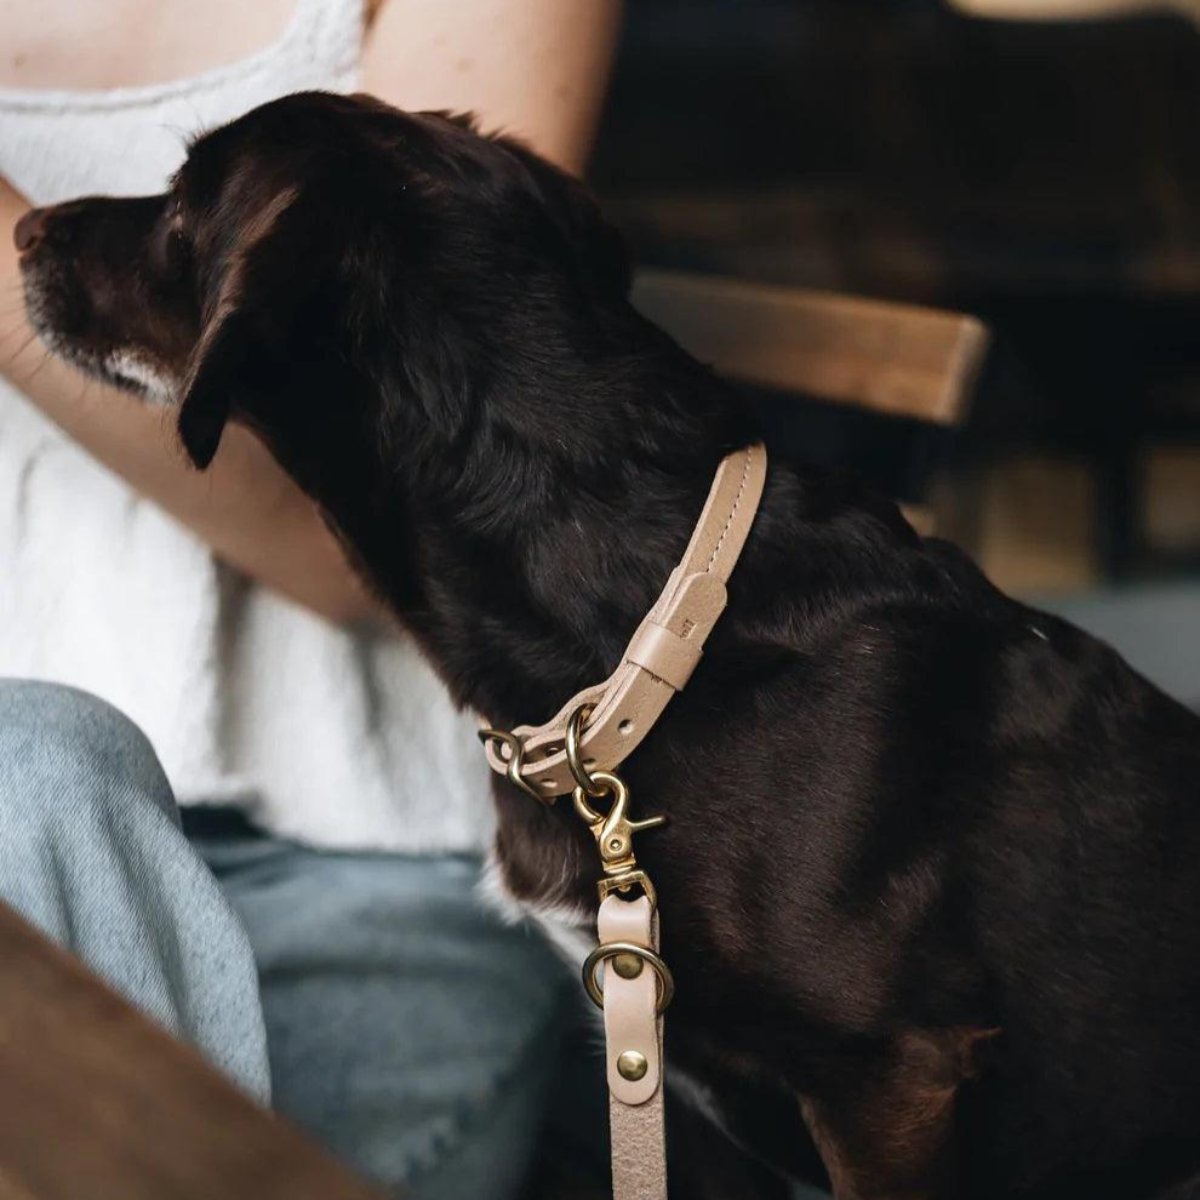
(371, 996)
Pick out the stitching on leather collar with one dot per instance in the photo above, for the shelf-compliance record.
(737, 500)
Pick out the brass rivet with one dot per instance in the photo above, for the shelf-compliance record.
(632, 1066)
(628, 966)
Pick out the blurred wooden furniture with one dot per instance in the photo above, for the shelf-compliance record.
(900, 360)
(912, 367)
(98, 1103)
(1038, 173)
(1073, 10)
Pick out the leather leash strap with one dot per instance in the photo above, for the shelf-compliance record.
(633, 1026)
(664, 651)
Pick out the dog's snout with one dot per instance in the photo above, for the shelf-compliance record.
(30, 229)
(54, 224)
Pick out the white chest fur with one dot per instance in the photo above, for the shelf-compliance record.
(568, 927)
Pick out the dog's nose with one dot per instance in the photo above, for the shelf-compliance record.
(30, 229)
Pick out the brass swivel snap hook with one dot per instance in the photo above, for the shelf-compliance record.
(613, 828)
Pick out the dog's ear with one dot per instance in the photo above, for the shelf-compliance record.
(216, 372)
(597, 246)
(219, 375)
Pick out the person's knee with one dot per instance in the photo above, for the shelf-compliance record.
(89, 854)
(63, 750)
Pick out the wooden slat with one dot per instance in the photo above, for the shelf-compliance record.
(1073, 10)
(98, 1103)
(897, 359)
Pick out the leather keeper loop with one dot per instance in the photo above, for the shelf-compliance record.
(664, 654)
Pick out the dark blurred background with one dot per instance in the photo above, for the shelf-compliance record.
(1043, 175)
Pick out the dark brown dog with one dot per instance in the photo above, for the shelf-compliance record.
(933, 866)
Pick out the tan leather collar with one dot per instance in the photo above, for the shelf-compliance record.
(662, 654)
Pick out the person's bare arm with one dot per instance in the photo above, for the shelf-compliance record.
(244, 507)
(534, 68)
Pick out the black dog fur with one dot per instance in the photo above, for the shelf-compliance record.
(932, 872)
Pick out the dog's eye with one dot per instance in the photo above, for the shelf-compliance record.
(178, 249)
(174, 247)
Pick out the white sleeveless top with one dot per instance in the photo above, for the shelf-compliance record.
(329, 737)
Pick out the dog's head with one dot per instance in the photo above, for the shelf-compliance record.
(335, 273)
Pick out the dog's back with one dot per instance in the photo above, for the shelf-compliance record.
(1009, 819)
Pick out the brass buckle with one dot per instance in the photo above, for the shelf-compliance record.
(515, 761)
(666, 982)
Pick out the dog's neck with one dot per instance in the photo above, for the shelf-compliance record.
(529, 550)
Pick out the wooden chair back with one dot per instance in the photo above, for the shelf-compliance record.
(899, 360)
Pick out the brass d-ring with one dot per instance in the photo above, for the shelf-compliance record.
(583, 777)
(666, 983)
